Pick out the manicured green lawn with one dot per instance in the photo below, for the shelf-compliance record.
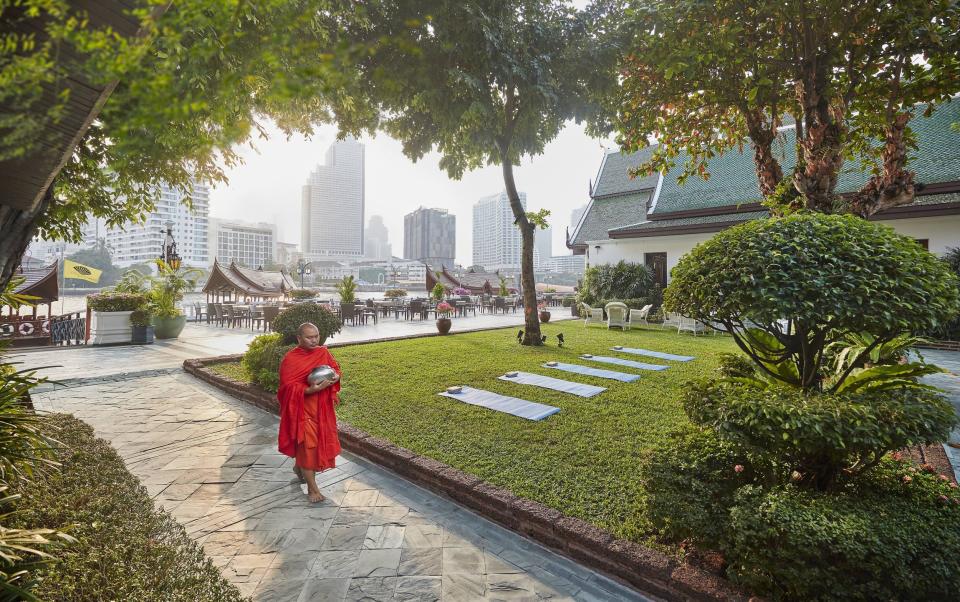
(581, 461)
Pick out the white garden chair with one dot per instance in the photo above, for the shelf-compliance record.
(617, 314)
(691, 325)
(638, 316)
(670, 320)
(591, 315)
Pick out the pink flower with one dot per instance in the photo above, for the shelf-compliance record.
(738, 468)
(944, 499)
(928, 468)
(897, 455)
(907, 478)
(944, 477)
(953, 485)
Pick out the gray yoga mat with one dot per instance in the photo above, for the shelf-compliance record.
(556, 384)
(622, 362)
(587, 370)
(656, 354)
(501, 403)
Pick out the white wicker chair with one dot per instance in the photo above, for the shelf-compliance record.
(639, 316)
(670, 320)
(617, 314)
(691, 325)
(591, 315)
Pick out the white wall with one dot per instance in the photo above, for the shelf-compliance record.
(941, 232)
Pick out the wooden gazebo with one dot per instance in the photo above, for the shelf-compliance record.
(236, 283)
(42, 283)
(475, 282)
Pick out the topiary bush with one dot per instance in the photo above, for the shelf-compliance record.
(820, 437)
(124, 548)
(289, 320)
(262, 359)
(395, 293)
(826, 276)
(116, 301)
(302, 293)
(892, 536)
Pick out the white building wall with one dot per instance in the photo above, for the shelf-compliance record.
(250, 245)
(942, 232)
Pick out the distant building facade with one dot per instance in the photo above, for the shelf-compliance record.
(542, 245)
(430, 236)
(250, 245)
(287, 253)
(333, 205)
(575, 216)
(376, 240)
(496, 239)
(138, 243)
(563, 264)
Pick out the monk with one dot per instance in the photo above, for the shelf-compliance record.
(308, 424)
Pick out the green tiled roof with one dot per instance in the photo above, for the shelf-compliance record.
(726, 218)
(733, 177)
(615, 177)
(611, 212)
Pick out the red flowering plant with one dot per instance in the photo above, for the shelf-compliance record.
(444, 308)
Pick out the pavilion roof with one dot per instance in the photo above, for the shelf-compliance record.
(40, 282)
(258, 283)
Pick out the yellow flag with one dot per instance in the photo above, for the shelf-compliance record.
(72, 269)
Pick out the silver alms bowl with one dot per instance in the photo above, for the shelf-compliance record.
(320, 374)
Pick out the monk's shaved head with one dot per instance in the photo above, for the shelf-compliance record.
(306, 327)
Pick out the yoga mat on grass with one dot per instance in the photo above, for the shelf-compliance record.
(656, 354)
(556, 384)
(588, 371)
(501, 403)
(622, 362)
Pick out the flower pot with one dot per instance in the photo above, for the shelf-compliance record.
(443, 325)
(110, 327)
(143, 335)
(168, 328)
(544, 316)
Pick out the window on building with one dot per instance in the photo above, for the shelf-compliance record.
(923, 242)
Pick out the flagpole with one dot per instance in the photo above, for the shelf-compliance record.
(62, 275)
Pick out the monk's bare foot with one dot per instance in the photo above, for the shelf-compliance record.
(315, 497)
(299, 473)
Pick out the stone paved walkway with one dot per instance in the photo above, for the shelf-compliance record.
(950, 383)
(212, 461)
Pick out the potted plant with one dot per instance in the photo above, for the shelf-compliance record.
(141, 319)
(438, 291)
(444, 323)
(166, 293)
(347, 289)
(544, 314)
(110, 321)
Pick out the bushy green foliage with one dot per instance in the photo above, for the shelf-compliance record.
(827, 276)
(950, 331)
(438, 292)
(287, 321)
(302, 293)
(820, 436)
(620, 282)
(116, 301)
(347, 289)
(126, 549)
(262, 359)
(395, 293)
(881, 538)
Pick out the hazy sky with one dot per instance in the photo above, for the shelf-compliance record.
(267, 187)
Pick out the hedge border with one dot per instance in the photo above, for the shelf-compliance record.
(650, 571)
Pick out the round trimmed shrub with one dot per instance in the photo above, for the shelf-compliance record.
(289, 320)
(821, 436)
(892, 536)
(302, 293)
(395, 293)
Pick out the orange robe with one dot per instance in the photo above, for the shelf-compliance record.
(308, 423)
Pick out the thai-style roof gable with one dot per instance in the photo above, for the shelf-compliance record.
(42, 283)
(244, 281)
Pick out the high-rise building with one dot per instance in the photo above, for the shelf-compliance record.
(250, 245)
(542, 245)
(376, 240)
(138, 243)
(333, 205)
(575, 216)
(496, 239)
(287, 253)
(430, 236)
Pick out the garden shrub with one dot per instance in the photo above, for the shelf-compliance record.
(262, 359)
(395, 293)
(289, 320)
(827, 276)
(302, 293)
(820, 436)
(619, 282)
(950, 331)
(125, 549)
(894, 535)
(116, 301)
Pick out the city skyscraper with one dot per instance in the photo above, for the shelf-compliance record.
(430, 236)
(138, 243)
(542, 245)
(250, 245)
(333, 204)
(376, 240)
(496, 239)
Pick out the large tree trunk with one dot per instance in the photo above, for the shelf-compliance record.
(531, 323)
(769, 172)
(17, 229)
(894, 186)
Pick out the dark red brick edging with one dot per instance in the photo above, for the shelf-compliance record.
(648, 570)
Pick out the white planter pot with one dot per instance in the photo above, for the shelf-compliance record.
(110, 328)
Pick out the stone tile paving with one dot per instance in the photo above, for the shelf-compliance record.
(950, 383)
(211, 460)
(201, 340)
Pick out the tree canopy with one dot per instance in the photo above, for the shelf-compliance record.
(481, 82)
(703, 78)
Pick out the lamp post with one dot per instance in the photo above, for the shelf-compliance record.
(168, 252)
(303, 267)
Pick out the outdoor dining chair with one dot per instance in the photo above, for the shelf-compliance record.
(617, 314)
(639, 316)
(591, 315)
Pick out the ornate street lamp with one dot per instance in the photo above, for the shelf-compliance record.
(303, 267)
(168, 253)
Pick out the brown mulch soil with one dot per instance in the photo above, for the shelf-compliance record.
(934, 456)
